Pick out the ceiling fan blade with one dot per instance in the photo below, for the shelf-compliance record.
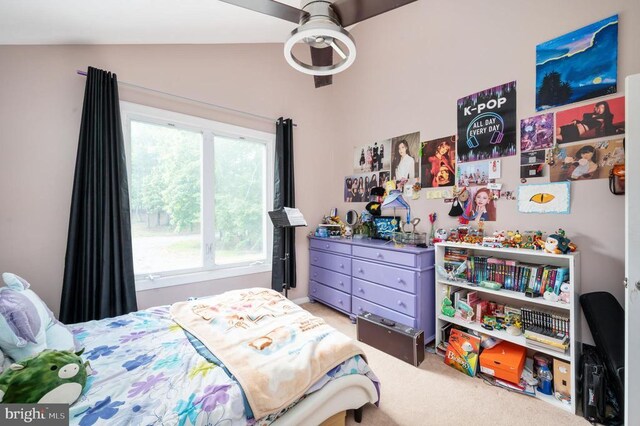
(353, 11)
(322, 57)
(273, 8)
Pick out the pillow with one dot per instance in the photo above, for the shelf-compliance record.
(27, 326)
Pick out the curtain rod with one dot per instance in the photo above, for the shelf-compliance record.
(237, 111)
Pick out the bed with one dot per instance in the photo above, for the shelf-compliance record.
(150, 370)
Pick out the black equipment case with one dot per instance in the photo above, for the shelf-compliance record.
(593, 385)
(401, 341)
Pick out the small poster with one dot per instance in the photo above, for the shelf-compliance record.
(438, 162)
(577, 66)
(481, 205)
(536, 132)
(487, 124)
(586, 161)
(473, 174)
(404, 157)
(544, 198)
(495, 169)
(372, 157)
(596, 120)
(533, 157)
(531, 171)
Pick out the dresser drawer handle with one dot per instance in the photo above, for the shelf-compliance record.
(315, 274)
(360, 308)
(315, 290)
(342, 266)
(340, 301)
(400, 280)
(315, 259)
(360, 290)
(379, 255)
(341, 283)
(361, 270)
(327, 246)
(400, 303)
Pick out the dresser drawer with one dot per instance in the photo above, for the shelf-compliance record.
(360, 306)
(400, 279)
(330, 278)
(330, 296)
(331, 246)
(388, 256)
(330, 261)
(399, 301)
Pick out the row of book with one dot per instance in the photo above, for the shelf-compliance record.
(546, 330)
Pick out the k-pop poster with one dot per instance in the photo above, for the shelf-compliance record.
(372, 157)
(438, 162)
(597, 120)
(405, 162)
(487, 124)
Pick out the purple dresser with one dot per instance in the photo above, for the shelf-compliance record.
(354, 276)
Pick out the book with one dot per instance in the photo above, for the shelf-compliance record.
(463, 352)
(540, 345)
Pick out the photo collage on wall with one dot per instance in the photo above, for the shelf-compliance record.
(371, 167)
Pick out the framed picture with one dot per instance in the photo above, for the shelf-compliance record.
(385, 226)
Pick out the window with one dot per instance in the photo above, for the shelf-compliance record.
(199, 193)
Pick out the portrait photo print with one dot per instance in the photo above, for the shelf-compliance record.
(404, 157)
(597, 120)
(438, 162)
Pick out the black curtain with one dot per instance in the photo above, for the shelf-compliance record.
(284, 239)
(98, 270)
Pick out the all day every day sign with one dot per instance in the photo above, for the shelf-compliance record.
(487, 124)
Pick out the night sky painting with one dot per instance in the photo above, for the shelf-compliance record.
(580, 65)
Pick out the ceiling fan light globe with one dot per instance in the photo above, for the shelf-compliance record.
(315, 31)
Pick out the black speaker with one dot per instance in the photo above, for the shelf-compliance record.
(401, 341)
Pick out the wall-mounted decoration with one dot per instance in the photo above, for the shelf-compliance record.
(372, 157)
(383, 178)
(545, 198)
(438, 162)
(536, 132)
(436, 194)
(577, 66)
(533, 157)
(596, 120)
(495, 169)
(586, 161)
(357, 187)
(531, 171)
(404, 157)
(473, 174)
(481, 205)
(487, 124)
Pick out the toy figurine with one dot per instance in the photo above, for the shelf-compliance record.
(557, 243)
(538, 242)
(565, 293)
(440, 235)
(447, 309)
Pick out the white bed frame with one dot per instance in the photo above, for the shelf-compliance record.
(344, 393)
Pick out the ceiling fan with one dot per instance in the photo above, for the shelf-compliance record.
(321, 26)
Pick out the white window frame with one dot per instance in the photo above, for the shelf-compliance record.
(209, 129)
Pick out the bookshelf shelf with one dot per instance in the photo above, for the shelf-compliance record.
(518, 300)
(506, 293)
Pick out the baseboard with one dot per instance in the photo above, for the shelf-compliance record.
(301, 300)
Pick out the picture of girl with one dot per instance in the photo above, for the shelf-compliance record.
(347, 190)
(438, 162)
(404, 167)
(585, 163)
(384, 178)
(480, 206)
(595, 121)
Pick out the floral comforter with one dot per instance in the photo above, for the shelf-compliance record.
(146, 371)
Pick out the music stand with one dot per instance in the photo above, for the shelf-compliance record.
(281, 219)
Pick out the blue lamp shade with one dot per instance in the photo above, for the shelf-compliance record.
(395, 200)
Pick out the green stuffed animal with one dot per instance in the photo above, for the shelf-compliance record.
(52, 377)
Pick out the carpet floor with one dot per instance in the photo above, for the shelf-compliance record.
(436, 394)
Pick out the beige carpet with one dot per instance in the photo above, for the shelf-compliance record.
(436, 394)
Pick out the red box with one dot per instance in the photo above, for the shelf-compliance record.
(504, 361)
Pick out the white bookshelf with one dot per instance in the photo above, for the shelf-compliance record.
(518, 299)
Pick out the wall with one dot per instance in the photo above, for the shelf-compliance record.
(413, 65)
(40, 111)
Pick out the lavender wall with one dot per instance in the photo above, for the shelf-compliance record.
(415, 63)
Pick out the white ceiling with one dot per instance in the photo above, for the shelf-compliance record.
(137, 22)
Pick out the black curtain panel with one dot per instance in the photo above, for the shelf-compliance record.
(98, 273)
(284, 239)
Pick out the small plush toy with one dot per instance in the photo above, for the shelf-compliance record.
(557, 243)
(565, 293)
(51, 377)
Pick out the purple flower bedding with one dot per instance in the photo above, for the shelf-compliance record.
(147, 371)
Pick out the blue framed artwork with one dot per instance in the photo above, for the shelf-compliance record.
(385, 226)
(545, 198)
(577, 66)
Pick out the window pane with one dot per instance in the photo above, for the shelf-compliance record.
(165, 198)
(240, 209)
